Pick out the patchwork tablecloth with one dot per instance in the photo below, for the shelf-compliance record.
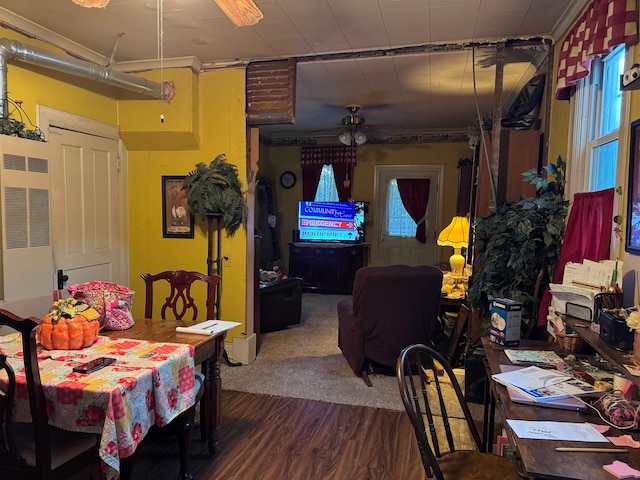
(149, 384)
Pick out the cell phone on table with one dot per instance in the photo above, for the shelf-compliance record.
(93, 365)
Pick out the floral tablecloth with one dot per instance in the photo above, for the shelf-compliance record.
(149, 384)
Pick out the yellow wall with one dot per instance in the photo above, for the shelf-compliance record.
(631, 262)
(275, 160)
(37, 86)
(217, 101)
(221, 117)
(559, 121)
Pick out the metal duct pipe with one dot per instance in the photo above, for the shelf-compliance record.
(14, 50)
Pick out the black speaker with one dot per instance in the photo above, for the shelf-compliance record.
(295, 236)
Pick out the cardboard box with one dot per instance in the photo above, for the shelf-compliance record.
(504, 327)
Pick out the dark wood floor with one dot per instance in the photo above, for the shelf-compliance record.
(273, 438)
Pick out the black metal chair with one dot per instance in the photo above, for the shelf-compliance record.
(423, 373)
(37, 450)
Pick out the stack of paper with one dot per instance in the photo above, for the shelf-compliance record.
(544, 385)
(209, 327)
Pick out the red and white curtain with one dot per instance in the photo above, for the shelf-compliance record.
(604, 25)
(343, 161)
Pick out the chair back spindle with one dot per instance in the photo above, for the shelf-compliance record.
(440, 417)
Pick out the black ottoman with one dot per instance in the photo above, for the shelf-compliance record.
(280, 304)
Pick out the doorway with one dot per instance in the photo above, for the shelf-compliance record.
(390, 248)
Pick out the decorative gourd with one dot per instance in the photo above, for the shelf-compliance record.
(70, 325)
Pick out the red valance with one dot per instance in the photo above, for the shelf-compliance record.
(604, 25)
(328, 155)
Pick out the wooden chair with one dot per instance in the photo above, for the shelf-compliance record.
(456, 346)
(430, 392)
(180, 302)
(37, 450)
(182, 306)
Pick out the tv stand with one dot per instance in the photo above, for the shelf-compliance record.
(327, 267)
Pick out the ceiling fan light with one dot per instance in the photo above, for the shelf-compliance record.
(243, 13)
(345, 138)
(92, 3)
(360, 138)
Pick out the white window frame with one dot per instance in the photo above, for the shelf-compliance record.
(579, 149)
(584, 115)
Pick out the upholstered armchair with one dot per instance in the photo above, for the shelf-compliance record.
(391, 308)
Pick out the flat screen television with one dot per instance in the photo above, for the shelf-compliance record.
(331, 221)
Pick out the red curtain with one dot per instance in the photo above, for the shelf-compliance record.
(310, 178)
(604, 25)
(414, 193)
(588, 236)
(342, 159)
(343, 175)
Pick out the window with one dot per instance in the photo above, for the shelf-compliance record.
(597, 107)
(399, 222)
(327, 191)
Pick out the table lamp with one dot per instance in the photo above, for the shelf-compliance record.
(455, 235)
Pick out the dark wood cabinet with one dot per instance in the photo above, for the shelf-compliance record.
(327, 267)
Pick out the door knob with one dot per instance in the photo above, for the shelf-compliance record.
(61, 279)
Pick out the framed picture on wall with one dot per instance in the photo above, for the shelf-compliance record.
(632, 241)
(177, 221)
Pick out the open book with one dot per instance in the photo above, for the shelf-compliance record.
(544, 385)
(208, 327)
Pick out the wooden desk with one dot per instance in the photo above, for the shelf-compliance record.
(539, 456)
(207, 349)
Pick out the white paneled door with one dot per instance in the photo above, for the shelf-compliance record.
(392, 249)
(87, 207)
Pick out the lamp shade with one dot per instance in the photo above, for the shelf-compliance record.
(456, 234)
(360, 138)
(345, 138)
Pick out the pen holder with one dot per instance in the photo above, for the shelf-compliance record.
(569, 342)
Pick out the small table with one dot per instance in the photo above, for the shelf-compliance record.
(149, 384)
(539, 457)
(207, 350)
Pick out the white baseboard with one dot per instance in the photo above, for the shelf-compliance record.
(243, 350)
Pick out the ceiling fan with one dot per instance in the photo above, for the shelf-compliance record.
(243, 13)
(353, 124)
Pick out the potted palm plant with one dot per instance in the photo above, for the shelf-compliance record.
(215, 190)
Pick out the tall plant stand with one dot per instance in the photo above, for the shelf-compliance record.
(216, 230)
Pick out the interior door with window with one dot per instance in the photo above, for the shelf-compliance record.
(396, 242)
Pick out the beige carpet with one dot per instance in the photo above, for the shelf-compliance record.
(305, 362)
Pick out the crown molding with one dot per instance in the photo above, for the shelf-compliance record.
(567, 20)
(451, 137)
(193, 63)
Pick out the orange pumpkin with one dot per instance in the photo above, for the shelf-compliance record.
(68, 331)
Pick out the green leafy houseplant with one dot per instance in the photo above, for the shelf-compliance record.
(518, 247)
(14, 128)
(215, 189)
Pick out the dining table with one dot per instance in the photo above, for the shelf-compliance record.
(150, 383)
(208, 351)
